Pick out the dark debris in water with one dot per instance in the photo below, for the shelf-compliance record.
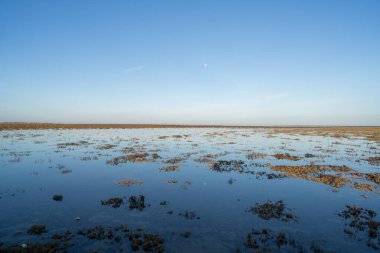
(360, 223)
(139, 240)
(72, 144)
(273, 210)
(137, 202)
(37, 229)
(114, 202)
(186, 234)
(48, 247)
(374, 161)
(189, 215)
(263, 174)
(240, 166)
(97, 233)
(63, 169)
(145, 241)
(228, 166)
(265, 240)
(57, 197)
(65, 237)
(254, 155)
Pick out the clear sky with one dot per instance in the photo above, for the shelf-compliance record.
(191, 62)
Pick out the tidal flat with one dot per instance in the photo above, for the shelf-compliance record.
(189, 189)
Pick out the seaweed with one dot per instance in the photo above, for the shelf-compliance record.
(273, 210)
(113, 202)
(137, 202)
(360, 223)
(37, 229)
(57, 197)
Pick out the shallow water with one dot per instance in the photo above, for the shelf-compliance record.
(32, 165)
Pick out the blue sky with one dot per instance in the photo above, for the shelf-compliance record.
(191, 62)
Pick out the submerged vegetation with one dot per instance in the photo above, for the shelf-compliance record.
(37, 229)
(360, 223)
(113, 202)
(130, 182)
(265, 240)
(273, 210)
(192, 187)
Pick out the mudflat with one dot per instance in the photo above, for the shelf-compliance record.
(166, 188)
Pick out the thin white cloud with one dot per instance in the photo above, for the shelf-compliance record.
(132, 69)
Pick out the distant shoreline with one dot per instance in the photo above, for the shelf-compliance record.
(37, 126)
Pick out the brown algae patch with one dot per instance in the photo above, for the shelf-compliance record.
(134, 158)
(363, 187)
(332, 180)
(316, 173)
(273, 210)
(286, 156)
(169, 168)
(106, 147)
(130, 182)
(128, 150)
(373, 177)
(137, 157)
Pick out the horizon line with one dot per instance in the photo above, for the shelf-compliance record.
(56, 125)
